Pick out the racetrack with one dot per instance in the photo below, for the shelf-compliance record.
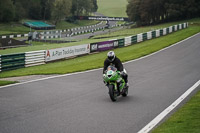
(79, 103)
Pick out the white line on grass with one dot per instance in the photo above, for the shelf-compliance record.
(163, 114)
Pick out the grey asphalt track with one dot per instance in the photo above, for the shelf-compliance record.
(80, 103)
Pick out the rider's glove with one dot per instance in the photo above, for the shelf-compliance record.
(122, 73)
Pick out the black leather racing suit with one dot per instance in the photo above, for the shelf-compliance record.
(118, 64)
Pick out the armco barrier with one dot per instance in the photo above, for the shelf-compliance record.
(144, 35)
(121, 42)
(153, 34)
(127, 41)
(161, 32)
(167, 31)
(149, 35)
(34, 58)
(157, 33)
(14, 61)
(139, 37)
(164, 31)
(134, 39)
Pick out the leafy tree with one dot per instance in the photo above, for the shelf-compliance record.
(46, 9)
(95, 6)
(82, 7)
(61, 9)
(133, 11)
(7, 13)
(145, 12)
(35, 10)
(20, 12)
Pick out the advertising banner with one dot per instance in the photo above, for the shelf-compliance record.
(115, 43)
(107, 45)
(103, 46)
(93, 47)
(60, 53)
(101, 18)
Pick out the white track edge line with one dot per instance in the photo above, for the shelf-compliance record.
(164, 113)
(100, 68)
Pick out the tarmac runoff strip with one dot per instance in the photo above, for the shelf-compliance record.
(163, 114)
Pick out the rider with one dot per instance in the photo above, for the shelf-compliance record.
(114, 61)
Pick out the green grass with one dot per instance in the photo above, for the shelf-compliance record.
(185, 120)
(134, 31)
(125, 54)
(67, 25)
(112, 7)
(3, 83)
(18, 28)
(13, 28)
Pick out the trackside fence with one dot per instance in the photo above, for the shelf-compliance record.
(33, 58)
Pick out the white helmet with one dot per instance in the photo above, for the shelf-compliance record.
(111, 56)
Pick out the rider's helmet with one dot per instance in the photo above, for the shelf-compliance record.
(111, 56)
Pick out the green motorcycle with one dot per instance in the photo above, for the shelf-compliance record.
(115, 83)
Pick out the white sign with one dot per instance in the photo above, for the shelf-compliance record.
(60, 53)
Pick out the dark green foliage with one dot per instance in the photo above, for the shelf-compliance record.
(95, 8)
(6, 10)
(15, 10)
(147, 12)
(82, 7)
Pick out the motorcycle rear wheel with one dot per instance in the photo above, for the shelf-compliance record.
(113, 95)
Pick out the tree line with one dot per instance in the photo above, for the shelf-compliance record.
(147, 12)
(56, 10)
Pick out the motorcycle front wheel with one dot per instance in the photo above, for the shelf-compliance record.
(113, 95)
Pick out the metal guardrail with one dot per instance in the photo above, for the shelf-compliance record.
(12, 61)
(33, 58)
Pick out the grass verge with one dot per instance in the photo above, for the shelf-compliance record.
(112, 8)
(96, 60)
(2, 82)
(185, 120)
(18, 28)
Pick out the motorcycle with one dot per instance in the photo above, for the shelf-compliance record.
(115, 83)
